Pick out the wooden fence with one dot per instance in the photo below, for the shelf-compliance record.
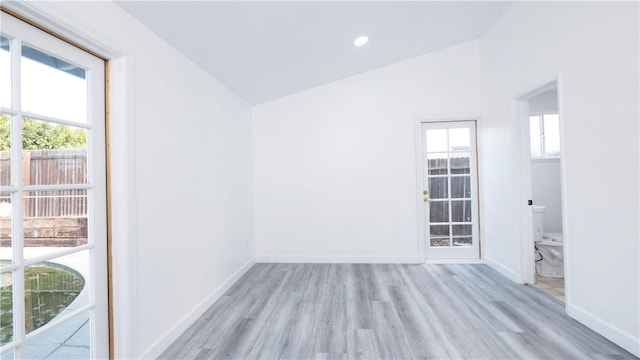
(49, 167)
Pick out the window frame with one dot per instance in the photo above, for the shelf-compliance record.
(543, 157)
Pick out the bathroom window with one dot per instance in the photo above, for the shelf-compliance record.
(544, 133)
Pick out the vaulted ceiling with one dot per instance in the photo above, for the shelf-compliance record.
(264, 50)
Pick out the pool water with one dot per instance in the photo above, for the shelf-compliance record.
(49, 289)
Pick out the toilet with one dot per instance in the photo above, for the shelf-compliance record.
(549, 253)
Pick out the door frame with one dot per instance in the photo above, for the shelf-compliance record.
(421, 246)
(121, 175)
(524, 186)
(23, 32)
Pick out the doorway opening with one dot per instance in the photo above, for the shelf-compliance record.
(541, 148)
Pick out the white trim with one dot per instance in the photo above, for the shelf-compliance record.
(480, 196)
(507, 272)
(566, 234)
(622, 338)
(338, 259)
(123, 226)
(523, 191)
(16, 197)
(445, 118)
(422, 251)
(166, 339)
(70, 26)
(453, 261)
(545, 160)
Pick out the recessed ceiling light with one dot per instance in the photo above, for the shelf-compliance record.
(359, 41)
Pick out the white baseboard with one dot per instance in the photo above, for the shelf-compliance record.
(172, 334)
(512, 275)
(452, 261)
(339, 259)
(622, 338)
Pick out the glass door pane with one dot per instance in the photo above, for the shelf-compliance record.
(5, 71)
(450, 189)
(5, 150)
(6, 307)
(551, 135)
(70, 340)
(52, 86)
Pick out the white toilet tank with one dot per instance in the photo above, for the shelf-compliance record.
(538, 222)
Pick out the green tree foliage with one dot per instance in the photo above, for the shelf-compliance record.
(5, 140)
(43, 135)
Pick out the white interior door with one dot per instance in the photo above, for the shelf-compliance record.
(450, 191)
(53, 227)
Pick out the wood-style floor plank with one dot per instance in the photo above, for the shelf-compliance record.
(352, 311)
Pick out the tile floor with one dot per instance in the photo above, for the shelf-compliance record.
(552, 286)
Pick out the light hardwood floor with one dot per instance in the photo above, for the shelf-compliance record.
(348, 311)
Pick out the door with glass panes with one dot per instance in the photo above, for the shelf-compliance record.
(53, 232)
(450, 190)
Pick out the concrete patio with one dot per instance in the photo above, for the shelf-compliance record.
(71, 338)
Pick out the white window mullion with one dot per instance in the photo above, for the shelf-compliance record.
(55, 120)
(56, 187)
(449, 189)
(16, 119)
(8, 111)
(542, 147)
(18, 208)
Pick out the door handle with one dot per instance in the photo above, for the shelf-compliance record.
(426, 199)
(425, 192)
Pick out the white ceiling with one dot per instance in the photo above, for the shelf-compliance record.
(265, 50)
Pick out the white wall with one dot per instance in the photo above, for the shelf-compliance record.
(544, 102)
(594, 46)
(335, 166)
(193, 185)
